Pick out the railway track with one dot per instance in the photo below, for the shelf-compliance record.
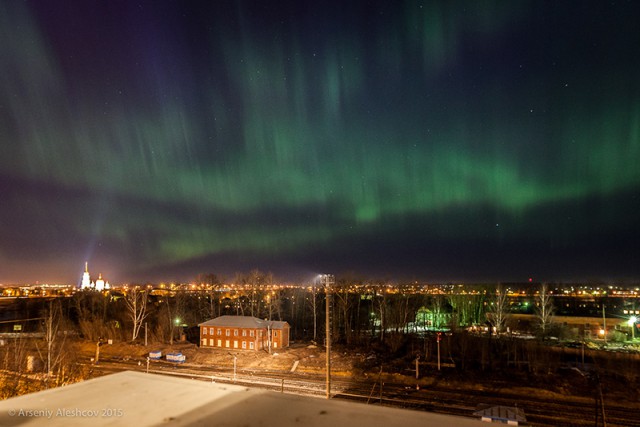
(577, 412)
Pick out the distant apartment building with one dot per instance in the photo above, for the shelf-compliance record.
(244, 333)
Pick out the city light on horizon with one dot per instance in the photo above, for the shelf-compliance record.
(405, 142)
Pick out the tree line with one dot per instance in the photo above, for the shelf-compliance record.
(362, 312)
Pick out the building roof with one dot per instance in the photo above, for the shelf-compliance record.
(277, 324)
(139, 399)
(244, 322)
(502, 413)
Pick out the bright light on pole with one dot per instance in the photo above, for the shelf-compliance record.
(632, 323)
(177, 323)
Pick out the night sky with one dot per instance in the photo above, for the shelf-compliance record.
(435, 141)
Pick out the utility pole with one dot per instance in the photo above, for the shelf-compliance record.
(438, 338)
(417, 372)
(604, 322)
(235, 366)
(98, 344)
(315, 317)
(328, 280)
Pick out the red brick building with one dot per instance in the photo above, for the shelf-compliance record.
(244, 333)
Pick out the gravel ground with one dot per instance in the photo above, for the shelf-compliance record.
(310, 358)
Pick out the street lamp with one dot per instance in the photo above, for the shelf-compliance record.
(632, 322)
(177, 323)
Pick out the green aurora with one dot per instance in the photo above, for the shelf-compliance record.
(177, 139)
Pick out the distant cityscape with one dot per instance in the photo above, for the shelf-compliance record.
(513, 289)
(570, 299)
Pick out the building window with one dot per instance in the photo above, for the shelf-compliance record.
(235, 332)
(204, 342)
(211, 342)
(251, 345)
(219, 332)
(244, 332)
(226, 343)
(244, 344)
(219, 343)
(275, 334)
(204, 331)
(228, 331)
(210, 331)
(251, 333)
(235, 343)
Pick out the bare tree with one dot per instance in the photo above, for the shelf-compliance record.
(179, 314)
(344, 303)
(437, 310)
(14, 379)
(467, 308)
(380, 304)
(277, 303)
(52, 322)
(254, 283)
(272, 297)
(312, 302)
(402, 309)
(91, 309)
(170, 315)
(136, 301)
(460, 308)
(499, 310)
(58, 354)
(544, 309)
(213, 291)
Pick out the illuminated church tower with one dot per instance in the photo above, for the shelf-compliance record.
(100, 283)
(86, 281)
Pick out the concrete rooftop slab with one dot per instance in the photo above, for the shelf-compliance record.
(139, 399)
